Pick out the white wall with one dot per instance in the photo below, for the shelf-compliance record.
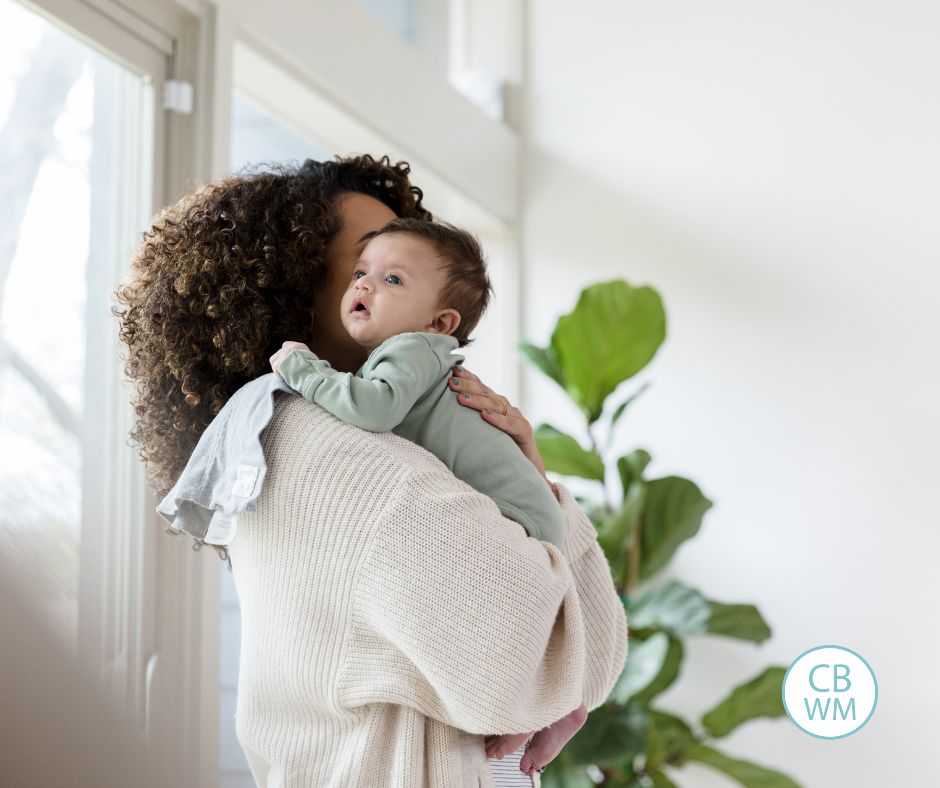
(774, 171)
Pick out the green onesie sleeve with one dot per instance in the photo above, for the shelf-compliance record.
(403, 388)
(395, 376)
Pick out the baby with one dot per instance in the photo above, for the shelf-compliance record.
(418, 290)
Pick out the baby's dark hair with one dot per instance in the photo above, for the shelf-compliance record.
(468, 287)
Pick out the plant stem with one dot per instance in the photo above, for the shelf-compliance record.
(594, 447)
(633, 557)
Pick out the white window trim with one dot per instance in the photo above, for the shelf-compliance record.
(405, 103)
(148, 610)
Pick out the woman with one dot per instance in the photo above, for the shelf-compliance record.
(391, 618)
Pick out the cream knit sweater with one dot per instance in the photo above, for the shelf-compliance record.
(391, 616)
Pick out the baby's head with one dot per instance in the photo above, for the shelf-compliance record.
(416, 276)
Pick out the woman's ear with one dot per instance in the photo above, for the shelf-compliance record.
(445, 322)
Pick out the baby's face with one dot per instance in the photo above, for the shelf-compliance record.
(394, 289)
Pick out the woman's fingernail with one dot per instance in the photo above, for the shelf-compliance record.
(465, 394)
(455, 381)
(459, 368)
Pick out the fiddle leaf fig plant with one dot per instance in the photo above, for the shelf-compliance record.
(613, 332)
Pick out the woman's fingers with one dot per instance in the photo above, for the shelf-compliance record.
(475, 399)
(497, 406)
(512, 426)
(478, 395)
(465, 379)
(513, 423)
(497, 410)
(473, 393)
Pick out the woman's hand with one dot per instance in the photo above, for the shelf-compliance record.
(286, 348)
(497, 410)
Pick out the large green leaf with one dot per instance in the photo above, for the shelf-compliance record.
(631, 467)
(615, 537)
(748, 774)
(667, 737)
(612, 333)
(759, 697)
(737, 621)
(564, 772)
(612, 733)
(644, 663)
(673, 513)
(624, 780)
(660, 780)
(667, 675)
(544, 359)
(563, 454)
(672, 607)
(622, 774)
(616, 528)
(612, 533)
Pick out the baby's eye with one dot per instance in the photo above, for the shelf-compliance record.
(357, 274)
(392, 279)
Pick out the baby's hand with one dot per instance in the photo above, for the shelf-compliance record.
(286, 348)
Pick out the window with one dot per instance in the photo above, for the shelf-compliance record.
(86, 163)
(76, 158)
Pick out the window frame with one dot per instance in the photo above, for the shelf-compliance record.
(147, 604)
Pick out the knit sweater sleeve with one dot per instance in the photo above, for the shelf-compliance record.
(462, 616)
(605, 622)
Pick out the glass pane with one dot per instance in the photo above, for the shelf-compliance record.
(257, 138)
(66, 115)
(422, 24)
(397, 15)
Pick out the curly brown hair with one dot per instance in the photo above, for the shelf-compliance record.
(224, 277)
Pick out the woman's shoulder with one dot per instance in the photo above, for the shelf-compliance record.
(325, 467)
(300, 429)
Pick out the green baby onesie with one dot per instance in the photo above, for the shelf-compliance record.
(402, 387)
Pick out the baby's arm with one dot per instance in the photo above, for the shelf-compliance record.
(279, 357)
(396, 375)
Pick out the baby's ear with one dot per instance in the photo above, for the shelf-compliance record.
(446, 321)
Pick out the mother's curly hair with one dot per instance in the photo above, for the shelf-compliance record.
(221, 280)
